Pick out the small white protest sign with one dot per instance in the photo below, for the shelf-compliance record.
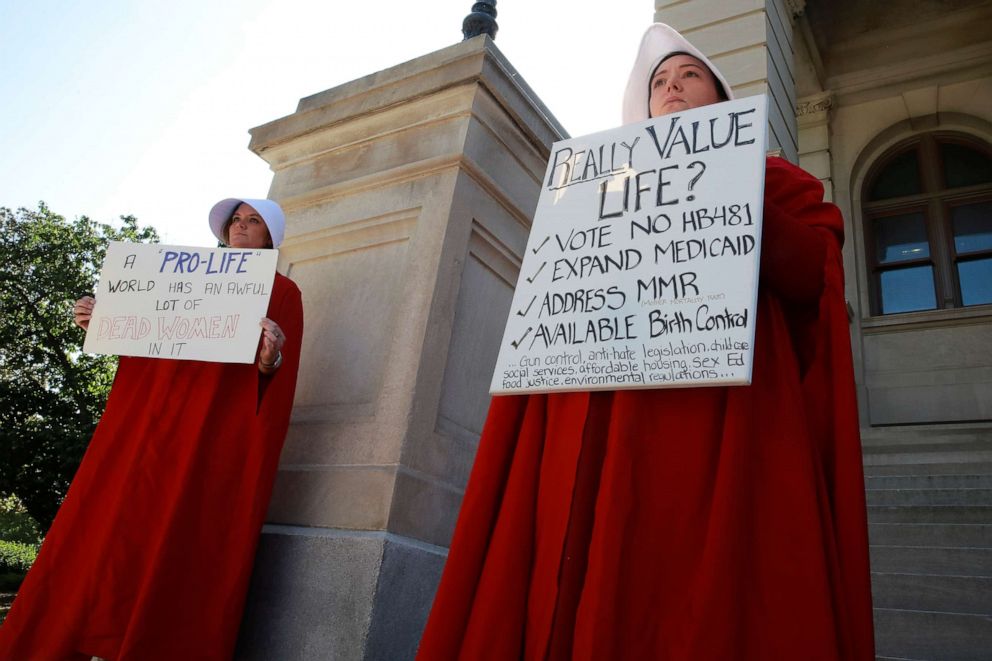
(181, 302)
(641, 270)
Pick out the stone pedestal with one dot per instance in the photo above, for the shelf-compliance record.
(409, 195)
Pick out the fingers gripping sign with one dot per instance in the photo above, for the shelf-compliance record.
(270, 356)
(82, 311)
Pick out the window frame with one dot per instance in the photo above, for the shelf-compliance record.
(936, 203)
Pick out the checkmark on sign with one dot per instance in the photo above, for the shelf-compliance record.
(546, 239)
(516, 345)
(524, 313)
(534, 277)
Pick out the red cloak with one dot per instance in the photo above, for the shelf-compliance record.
(695, 524)
(150, 555)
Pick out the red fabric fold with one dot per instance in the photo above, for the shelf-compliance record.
(150, 555)
(705, 523)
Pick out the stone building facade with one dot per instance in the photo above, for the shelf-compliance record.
(889, 104)
(854, 84)
(409, 194)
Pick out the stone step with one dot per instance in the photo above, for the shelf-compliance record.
(932, 592)
(942, 561)
(937, 456)
(929, 482)
(926, 433)
(929, 492)
(928, 447)
(968, 468)
(929, 496)
(871, 443)
(910, 634)
(930, 514)
(973, 535)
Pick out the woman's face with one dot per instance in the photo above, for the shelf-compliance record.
(246, 229)
(679, 83)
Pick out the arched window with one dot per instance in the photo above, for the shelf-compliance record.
(927, 205)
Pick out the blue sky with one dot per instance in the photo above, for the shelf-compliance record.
(114, 107)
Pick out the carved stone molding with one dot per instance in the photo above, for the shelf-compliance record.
(796, 7)
(810, 107)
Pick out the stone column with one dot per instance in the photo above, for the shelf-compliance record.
(751, 42)
(813, 118)
(409, 196)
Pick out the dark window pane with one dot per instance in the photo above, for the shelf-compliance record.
(905, 290)
(976, 281)
(964, 166)
(901, 237)
(900, 177)
(972, 227)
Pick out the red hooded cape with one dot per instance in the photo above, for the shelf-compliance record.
(705, 523)
(150, 555)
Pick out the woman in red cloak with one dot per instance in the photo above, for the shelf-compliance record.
(150, 555)
(689, 524)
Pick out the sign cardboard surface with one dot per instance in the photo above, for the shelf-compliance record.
(641, 269)
(181, 302)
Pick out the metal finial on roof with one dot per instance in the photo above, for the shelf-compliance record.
(482, 20)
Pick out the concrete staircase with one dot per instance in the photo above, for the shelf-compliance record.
(929, 495)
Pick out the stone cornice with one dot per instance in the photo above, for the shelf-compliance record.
(475, 61)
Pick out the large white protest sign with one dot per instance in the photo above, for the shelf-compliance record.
(641, 269)
(181, 302)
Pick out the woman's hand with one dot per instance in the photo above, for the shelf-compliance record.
(83, 310)
(270, 357)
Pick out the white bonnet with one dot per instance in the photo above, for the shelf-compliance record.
(271, 213)
(658, 42)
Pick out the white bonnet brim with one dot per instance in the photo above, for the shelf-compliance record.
(271, 213)
(658, 42)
